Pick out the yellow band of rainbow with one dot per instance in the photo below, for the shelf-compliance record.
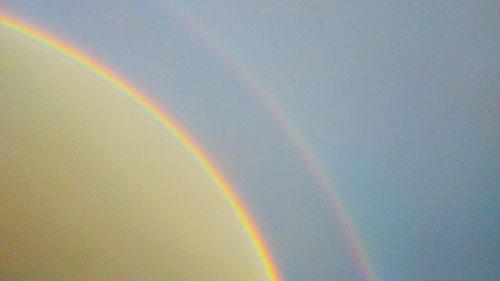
(74, 54)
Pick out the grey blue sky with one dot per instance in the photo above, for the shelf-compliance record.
(397, 99)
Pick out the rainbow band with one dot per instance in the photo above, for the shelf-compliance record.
(141, 99)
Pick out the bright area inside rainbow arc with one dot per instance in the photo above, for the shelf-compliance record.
(93, 188)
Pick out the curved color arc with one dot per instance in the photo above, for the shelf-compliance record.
(279, 116)
(74, 54)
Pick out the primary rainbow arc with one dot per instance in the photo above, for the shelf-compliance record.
(141, 99)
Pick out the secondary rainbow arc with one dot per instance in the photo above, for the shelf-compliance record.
(279, 116)
(141, 99)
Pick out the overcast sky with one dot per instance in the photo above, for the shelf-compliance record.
(397, 100)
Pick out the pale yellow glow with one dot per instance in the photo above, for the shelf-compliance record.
(93, 188)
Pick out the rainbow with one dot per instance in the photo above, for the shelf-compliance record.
(156, 112)
(278, 115)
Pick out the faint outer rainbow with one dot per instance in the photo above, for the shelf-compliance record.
(72, 53)
(279, 116)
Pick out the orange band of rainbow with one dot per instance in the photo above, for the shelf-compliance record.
(141, 99)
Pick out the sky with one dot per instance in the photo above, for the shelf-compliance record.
(396, 100)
